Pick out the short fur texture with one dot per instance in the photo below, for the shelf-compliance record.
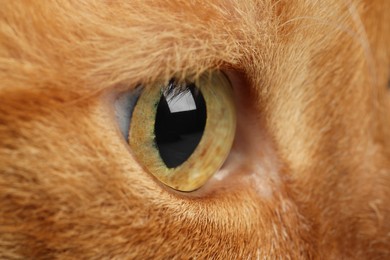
(309, 179)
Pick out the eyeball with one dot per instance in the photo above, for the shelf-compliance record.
(182, 132)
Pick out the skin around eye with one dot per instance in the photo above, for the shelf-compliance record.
(183, 135)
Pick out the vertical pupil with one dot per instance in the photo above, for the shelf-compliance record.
(179, 125)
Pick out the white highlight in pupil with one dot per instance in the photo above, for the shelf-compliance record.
(179, 103)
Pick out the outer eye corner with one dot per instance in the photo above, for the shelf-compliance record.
(183, 136)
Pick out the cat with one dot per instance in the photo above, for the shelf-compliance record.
(307, 177)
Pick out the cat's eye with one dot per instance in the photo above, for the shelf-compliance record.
(182, 132)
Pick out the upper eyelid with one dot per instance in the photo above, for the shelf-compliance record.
(127, 86)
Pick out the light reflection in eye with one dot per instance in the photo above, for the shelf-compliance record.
(180, 103)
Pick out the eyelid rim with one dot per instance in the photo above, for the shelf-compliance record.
(187, 177)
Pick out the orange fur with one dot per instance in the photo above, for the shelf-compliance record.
(309, 179)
